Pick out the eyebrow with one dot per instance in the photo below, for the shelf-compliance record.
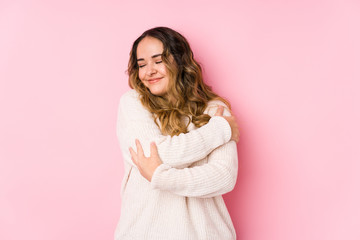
(153, 56)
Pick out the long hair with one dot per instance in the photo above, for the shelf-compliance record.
(186, 84)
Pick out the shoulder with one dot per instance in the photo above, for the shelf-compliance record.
(129, 95)
(130, 104)
(212, 106)
(130, 100)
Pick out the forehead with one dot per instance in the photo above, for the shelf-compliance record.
(149, 46)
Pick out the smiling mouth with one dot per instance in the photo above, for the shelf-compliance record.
(155, 80)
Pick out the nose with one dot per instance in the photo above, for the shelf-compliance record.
(151, 69)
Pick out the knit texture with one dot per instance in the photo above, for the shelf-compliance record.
(183, 200)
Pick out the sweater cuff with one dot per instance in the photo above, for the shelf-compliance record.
(157, 180)
(222, 128)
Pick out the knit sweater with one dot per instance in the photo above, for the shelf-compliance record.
(183, 200)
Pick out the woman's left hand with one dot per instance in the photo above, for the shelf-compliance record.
(146, 165)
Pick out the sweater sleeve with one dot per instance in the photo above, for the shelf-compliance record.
(136, 122)
(216, 177)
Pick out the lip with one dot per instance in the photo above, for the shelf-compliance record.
(154, 80)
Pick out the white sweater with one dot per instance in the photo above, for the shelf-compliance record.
(183, 200)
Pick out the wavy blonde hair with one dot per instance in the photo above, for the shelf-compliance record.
(186, 84)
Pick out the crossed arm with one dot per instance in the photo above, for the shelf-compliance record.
(216, 177)
(171, 156)
(135, 122)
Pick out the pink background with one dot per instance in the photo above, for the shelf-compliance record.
(289, 68)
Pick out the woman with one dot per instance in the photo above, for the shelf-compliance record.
(176, 192)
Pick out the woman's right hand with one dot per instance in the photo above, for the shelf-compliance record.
(235, 133)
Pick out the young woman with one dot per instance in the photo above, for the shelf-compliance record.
(173, 117)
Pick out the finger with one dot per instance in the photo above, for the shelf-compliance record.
(153, 149)
(139, 148)
(219, 111)
(133, 156)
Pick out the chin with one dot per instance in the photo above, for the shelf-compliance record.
(157, 92)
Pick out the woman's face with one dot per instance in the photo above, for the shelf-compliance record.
(152, 70)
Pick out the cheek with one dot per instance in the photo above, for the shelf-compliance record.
(141, 74)
(163, 70)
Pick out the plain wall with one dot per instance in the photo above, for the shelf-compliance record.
(289, 68)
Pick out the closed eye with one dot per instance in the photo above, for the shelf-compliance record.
(141, 66)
